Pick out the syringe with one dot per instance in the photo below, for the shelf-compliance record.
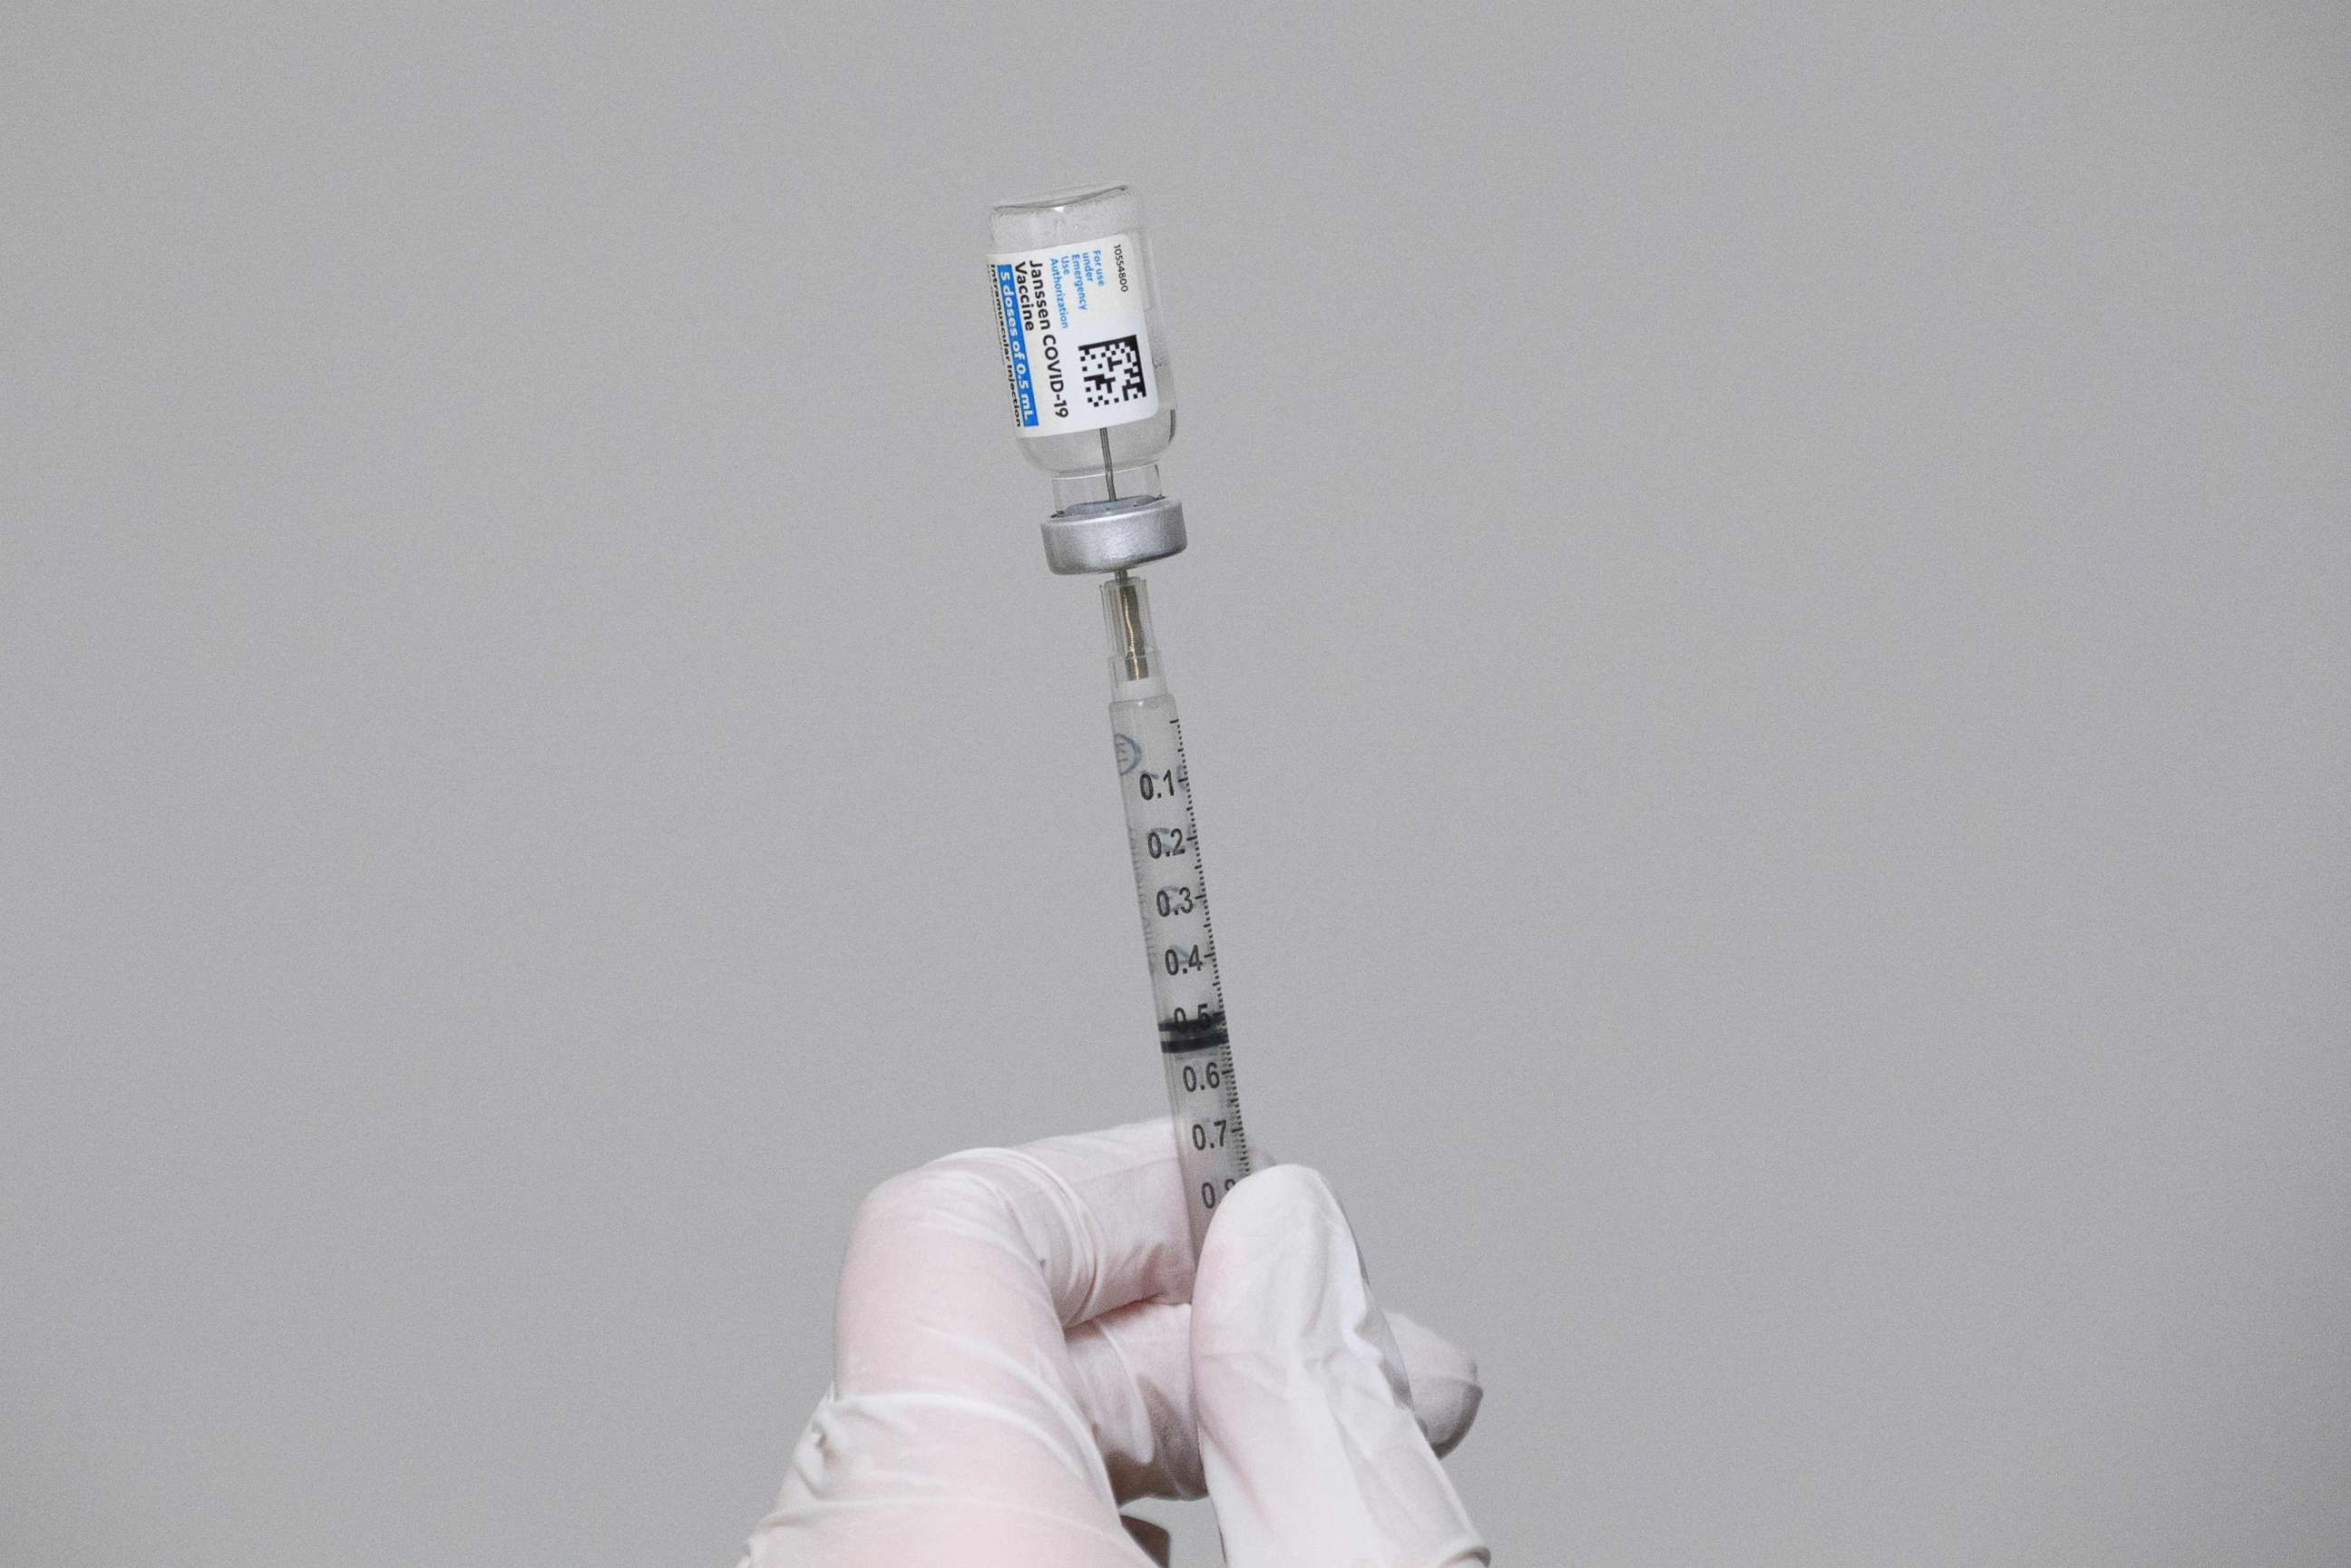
(1179, 940)
(1086, 364)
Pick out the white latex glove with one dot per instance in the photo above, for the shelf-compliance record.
(1021, 1347)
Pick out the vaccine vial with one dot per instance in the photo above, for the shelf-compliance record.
(1085, 360)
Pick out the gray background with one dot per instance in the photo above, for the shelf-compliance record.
(1765, 649)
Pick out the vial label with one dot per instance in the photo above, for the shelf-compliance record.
(1077, 355)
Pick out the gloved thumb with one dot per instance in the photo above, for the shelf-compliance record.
(1307, 1434)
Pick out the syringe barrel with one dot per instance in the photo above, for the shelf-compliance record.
(1163, 835)
(1085, 357)
(1187, 993)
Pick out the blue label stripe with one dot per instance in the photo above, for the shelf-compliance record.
(1016, 344)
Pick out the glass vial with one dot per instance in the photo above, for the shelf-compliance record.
(1086, 358)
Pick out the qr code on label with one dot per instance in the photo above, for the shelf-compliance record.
(1113, 372)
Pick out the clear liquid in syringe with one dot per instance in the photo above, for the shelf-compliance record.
(1179, 938)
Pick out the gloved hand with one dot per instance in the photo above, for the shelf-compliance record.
(1021, 1346)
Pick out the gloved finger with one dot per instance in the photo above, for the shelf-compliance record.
(1308, 1439)
(1094, 1221)
(1133, 1370)
(949, 1356)
(1446, 1392)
